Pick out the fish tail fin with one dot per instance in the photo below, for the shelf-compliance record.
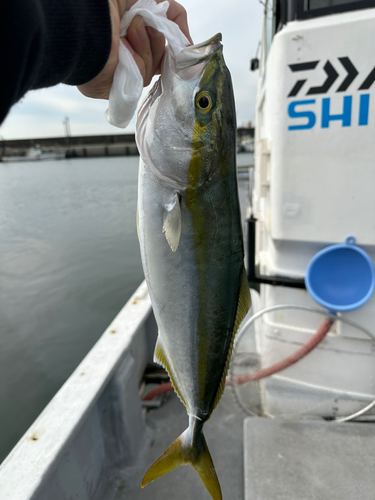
(206, 470)
(185, 451)
(169, 460)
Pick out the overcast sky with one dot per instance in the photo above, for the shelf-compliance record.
(41, 113)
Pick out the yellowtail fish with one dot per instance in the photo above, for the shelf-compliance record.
(190, 236)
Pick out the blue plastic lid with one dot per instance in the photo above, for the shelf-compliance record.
(341, 277)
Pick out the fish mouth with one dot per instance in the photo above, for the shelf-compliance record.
(214, 39)
(195, 54)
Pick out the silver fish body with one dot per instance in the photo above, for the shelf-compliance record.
(191, 238)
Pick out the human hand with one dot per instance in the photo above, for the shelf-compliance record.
(145, 44)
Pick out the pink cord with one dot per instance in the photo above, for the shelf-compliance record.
(160, 389)
(290, 360)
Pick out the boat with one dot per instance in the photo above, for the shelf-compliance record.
(36, 154)
(317, 124)
(297, 418)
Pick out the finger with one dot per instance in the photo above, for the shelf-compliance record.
(138, 38)
(157, 43)
(178, 14)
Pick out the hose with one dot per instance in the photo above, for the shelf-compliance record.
(358, 414)
(290, 360)
(318, 335)
(160, 389)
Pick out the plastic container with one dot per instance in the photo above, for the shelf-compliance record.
(341, 277)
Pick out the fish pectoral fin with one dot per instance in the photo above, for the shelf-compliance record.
(184, 451)
(172, 222)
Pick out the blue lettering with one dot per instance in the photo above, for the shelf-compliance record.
(345, 117)
(311, 119)
(364, 104)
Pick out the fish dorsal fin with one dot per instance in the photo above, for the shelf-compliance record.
(172, 222)
(243, 305)
(161, 358)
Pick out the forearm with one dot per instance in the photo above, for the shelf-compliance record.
(45, 42)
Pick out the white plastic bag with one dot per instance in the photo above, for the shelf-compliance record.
(128, 82)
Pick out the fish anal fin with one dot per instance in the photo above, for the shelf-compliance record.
(161, 358)
(243, 305)
(172, 222)
(184, 451)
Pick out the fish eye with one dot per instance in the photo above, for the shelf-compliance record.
(203, 101)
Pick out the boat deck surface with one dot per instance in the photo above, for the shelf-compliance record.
(308, 460)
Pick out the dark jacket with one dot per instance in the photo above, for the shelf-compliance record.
(45, 42)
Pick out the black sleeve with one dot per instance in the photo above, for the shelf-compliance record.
(45, 42)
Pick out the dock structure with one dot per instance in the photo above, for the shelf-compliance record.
(86, 146)
(75, 147)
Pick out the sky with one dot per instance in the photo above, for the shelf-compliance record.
(41, 112)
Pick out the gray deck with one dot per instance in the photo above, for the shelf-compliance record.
(313, 460)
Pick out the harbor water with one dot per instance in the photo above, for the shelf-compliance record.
(69, 260)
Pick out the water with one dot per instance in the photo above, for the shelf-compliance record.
(69, 260)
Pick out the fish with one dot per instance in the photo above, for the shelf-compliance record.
(191, 243)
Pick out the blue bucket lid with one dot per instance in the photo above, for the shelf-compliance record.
(341, 277)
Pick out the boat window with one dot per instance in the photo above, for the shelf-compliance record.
(314, 8)
(279, 15)
(321, 4)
